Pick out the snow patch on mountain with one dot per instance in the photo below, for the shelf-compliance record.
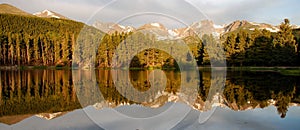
(253, 23)
(129, 29)
(218, 26)
(195, 29)
(155, 24)
(173, 33)
(123, 27)
(112, 27)
(49, 14)
(272, 29)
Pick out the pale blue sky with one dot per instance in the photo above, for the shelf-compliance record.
(132, 12)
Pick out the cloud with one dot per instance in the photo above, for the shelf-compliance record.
(74, 9)
(220, 11)
(267, 11)
(176, 10)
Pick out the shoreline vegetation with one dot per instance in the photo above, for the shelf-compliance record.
(285, 70)
(45, 43)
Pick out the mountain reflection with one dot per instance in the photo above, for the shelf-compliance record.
(29, 92)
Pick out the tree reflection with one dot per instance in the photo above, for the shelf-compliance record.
(282, 101)
(48, 91)
(261, 89)
(36, 91)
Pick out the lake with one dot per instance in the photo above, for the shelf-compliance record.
(68, 99)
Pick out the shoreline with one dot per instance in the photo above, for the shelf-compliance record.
(284, 70)
(152, 68)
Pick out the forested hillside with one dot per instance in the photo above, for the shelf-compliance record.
(28, 40)
(33, 41)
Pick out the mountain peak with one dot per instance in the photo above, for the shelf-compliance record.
(49, 14)
(236, 24)
(153, 25)
(112, 27)
(243, 24)
(47, 11)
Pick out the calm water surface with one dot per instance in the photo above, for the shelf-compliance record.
(25, 93)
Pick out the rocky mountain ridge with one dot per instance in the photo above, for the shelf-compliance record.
(197, 28)
(49, 14)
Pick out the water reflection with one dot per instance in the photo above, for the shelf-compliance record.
(36, 91)
(24, 92)
(248, 90)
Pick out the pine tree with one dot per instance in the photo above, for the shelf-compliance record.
(285, 45)
(11, 49)
(18, 49)
(66, 48)
(28, 48)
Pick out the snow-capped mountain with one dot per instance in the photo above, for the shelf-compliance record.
(208, 27)
(153, 26)
(201, 28)
(195, 29)
(250, 26)
(158, 29)
(49, 14)
(112, 27)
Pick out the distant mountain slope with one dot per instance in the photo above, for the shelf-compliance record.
(112, 27)
(49, 14)
(9, 9)
(197, 28)
(236, 25)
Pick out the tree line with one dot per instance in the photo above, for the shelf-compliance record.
(262, 47)
(27, 40)
(32, 41)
